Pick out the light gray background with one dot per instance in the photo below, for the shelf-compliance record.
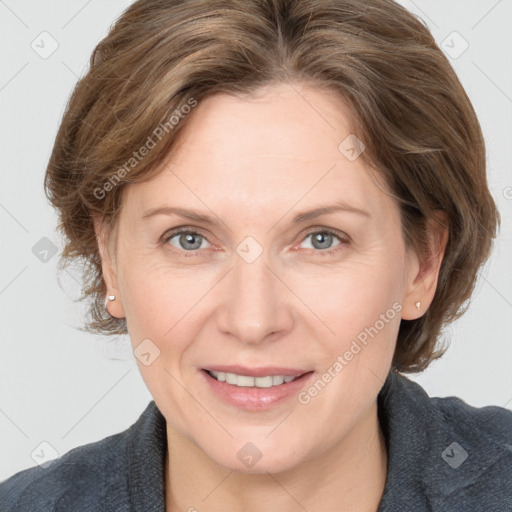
(58, 384)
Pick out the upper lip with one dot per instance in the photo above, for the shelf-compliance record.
(262, 371)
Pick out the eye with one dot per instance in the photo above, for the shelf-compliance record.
(186, 240)
(324, 240)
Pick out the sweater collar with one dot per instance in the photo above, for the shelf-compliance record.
(147, 449)
(433, 451)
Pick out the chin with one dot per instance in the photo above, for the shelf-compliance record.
(258, 458)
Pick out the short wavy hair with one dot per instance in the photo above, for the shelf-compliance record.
(418, 125)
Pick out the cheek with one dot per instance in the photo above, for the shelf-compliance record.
(354, 295)
(361, 306)
(156, 296)
(161, 306)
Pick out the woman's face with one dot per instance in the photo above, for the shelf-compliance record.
(294, 266)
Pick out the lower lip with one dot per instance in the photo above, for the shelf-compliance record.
(253, 398)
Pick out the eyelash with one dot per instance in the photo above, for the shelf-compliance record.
(342, 237)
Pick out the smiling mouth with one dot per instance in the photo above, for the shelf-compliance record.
(267, 381)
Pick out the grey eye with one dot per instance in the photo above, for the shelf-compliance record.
(187, 241)
(321, 240)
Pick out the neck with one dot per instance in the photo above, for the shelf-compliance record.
(351, 476)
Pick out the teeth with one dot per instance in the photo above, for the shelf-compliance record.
(242, 380)
(230, 378)
(277, 380)
(263, 382)
(247, 381)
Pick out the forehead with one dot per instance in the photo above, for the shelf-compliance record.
(273, 149)
(281, 121)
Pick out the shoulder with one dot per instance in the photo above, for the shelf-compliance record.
(477, 424)
(70, 477)
(478, 459)
(91, 477)
(491, 423)
(461, 457)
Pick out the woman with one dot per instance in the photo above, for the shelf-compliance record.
(278, 204)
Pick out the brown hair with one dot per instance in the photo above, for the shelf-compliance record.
(408, 106)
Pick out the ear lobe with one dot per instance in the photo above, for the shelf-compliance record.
(424, 271)
(108, 268)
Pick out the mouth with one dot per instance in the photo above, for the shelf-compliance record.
(248, 381)
(255, 389)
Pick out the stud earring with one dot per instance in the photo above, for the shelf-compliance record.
(109, 298)
(418, 305)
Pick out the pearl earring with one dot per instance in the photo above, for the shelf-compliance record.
(109, 298)
(418, 305)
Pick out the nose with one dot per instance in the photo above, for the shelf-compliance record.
(256, 307)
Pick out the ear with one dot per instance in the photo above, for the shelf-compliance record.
(115, 307)
(423, 269)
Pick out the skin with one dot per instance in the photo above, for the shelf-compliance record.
(254, 163)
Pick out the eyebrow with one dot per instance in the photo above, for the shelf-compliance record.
(326, 210)
(298, 219)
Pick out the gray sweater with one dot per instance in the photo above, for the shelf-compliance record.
(443, 455)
